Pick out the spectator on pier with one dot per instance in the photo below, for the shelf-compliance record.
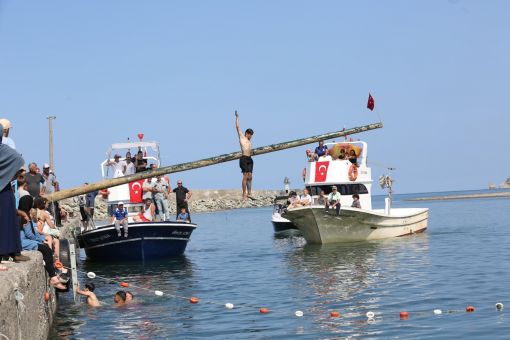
(160, 191)
(44, 217)
(182, 196)
(6, 140)
(92, 299)
(130, 166)
(34, 180)
(121, 218)
(355, 201)
(333, 201)
(50, 185)
(147, 188)
(118, 166)
(140, 162)
(321, 150)
(31, 240)
(321, 199)
(183, 216)
(120, 297)
(148, 213)
(22, 184)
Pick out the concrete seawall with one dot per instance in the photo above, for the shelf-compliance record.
(31, 317)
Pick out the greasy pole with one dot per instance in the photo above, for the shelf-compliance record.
(107, 183)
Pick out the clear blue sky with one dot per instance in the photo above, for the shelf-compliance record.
(176, 70)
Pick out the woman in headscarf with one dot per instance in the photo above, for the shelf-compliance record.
(10, 243)
(31, 241)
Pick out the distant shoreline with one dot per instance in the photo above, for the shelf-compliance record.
(461, 197)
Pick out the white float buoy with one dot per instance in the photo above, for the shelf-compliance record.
(91, 275)
(438, 311)
(229, 305)
(158, 293)
(499, 306)
(370, 315)
(298, 313)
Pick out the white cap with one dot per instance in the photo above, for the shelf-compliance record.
(46, 166)
(120, 203)
(5, 123)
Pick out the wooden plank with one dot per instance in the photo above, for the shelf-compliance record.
(108, 183)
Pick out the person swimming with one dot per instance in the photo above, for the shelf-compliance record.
(92, 299)
(120, 297)
(129, 296)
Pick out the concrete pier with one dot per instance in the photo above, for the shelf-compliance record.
(30, 317)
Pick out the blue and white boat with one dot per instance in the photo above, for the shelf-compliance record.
(146, 241)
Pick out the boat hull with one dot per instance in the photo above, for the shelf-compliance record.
(146, 241)
(319, 227)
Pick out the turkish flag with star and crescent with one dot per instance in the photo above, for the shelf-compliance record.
(135, 191)
(321, 171)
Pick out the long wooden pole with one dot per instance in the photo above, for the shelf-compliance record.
(107, 183)
(50, 142)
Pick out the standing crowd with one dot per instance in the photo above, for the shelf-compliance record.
(28, 221)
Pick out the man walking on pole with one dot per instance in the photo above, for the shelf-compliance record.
(246, 162)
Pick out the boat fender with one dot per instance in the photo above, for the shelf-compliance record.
(353, 172)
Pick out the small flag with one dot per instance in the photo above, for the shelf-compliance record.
(371, 102)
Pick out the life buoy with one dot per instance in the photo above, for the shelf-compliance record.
(353, 172)
(304, 174)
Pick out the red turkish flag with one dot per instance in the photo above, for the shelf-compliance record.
(321, 171)
(135, 191)
(371, 102)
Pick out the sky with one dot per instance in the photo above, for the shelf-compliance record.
(177, 70)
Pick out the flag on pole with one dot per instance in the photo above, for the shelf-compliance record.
(371, 102)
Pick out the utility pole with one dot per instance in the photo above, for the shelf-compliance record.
(50, 127)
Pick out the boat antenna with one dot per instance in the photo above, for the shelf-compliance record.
(386, 181)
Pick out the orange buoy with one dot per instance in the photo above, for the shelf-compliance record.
(193, 299)
(470, 309)
(264, 310)
(124, 284)
(353, 172)
(404, 315)
(46, 296)
(58, 264)
(334, 314)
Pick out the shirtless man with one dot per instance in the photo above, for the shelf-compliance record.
(88, 292)
(246, 162)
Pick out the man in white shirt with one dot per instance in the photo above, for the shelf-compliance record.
(118, 166)
(334, 201)
(5, 133)
(306, 199)
(130, 166)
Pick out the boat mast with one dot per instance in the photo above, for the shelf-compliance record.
(107, 183)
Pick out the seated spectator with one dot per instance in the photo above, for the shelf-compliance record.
(183, 216)
(30, 241)
(121, 217)
(353, 158)
(321, 150)
(306, 199)
(355, 201)
(130, 166)
(44, 217)
(92, 299)
(140, 162)
(333, 201)
(148, 213)
(321, 199)
(292, 200)
(342, 154)
(53, 243)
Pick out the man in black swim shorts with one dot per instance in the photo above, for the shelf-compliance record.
(245, 162)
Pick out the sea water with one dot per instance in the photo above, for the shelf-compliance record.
(235, 257)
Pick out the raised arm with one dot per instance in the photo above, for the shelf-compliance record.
(238, 126)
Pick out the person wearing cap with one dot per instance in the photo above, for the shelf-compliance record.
(34, 180)
(49, 186)
(333, 201)
(118, 166)
(121, 217)
(5, 133)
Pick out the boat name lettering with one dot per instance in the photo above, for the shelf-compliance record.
(100, 238)
(177, 232)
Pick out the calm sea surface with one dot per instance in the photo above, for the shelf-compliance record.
(234, 256)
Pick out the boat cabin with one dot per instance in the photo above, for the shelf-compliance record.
(344, 165)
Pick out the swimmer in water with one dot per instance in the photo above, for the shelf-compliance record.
(120, 297)
(129, 296)
(88, 292)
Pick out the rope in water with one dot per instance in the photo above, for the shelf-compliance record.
(404, 315)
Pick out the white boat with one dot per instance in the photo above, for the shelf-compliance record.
(352, 224)
(280, 223)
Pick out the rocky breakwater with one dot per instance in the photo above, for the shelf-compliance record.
(201, 201)
(24, 312)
